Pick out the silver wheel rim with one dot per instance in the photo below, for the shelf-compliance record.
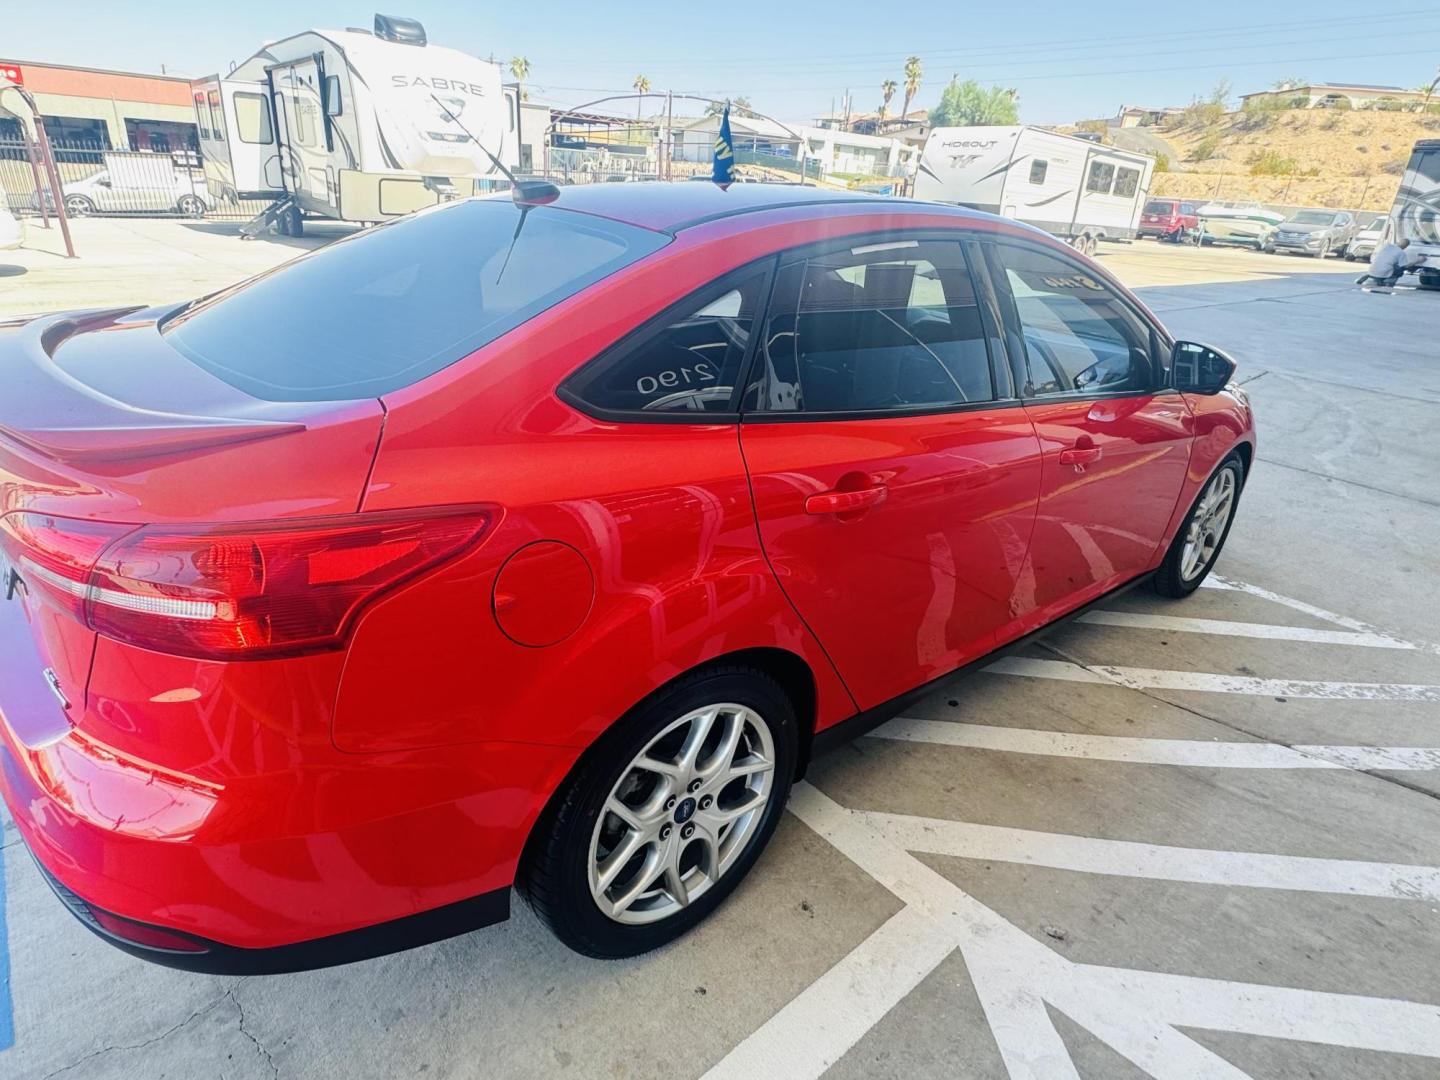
(682, 813)
(1207, 524)
(77, 207)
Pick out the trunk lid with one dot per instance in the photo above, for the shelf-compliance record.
(102, 421)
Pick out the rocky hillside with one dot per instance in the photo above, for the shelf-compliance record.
(1313, 157)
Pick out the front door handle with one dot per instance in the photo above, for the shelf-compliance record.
(1080, 455)
(845, 502)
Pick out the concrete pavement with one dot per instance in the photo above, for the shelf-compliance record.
(1183, 840)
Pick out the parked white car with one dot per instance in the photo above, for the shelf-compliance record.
(145, 184)
(1367, 240)
(12, 230)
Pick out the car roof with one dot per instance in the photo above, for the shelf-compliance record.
(670, 207)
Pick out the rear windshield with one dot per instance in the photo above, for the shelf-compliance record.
(387, 307)
(1159, 206)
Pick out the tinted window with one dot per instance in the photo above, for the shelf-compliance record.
(217, 122)
(389, 306)
(1187, 208)
(688, 362)
(877, 327)
(1161, 206)
(1127, 181)
(1100, 177)
(1079, 335)
(252, 118)
(1038, 169)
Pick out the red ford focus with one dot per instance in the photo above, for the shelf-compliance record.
(543, 545)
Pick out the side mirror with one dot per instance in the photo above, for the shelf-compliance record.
(1200, 369)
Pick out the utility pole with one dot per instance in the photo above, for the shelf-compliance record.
(667, 151)
(51, 173)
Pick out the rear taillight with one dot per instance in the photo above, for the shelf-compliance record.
(53, 556)
(239, 592)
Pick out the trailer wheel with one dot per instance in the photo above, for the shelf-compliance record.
(290, 222)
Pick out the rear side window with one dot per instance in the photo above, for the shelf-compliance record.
(387, 307)
(688, 361)
(1038, 169)
(876, 328)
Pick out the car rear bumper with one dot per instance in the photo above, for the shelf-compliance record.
(297, 868)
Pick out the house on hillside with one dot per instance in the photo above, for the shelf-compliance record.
(1331, 95)
(1131, 116)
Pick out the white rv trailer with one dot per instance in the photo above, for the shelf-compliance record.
(355, 125)
(1074, 188)
(1416, 213)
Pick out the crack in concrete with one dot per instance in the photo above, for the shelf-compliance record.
(140, 1045)
(1399, 782)
(264, 1051)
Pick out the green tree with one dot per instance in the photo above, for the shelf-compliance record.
(520, 68)
(740, 106)
(914, 71)
(965, 104)
(642, 87)
(887, 91)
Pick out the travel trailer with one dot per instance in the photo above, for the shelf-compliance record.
(355, 125)
(1079, 191)
(1416, 213)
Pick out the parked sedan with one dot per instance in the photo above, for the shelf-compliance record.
(544, 544)
(1367, 240)
(1315, 232)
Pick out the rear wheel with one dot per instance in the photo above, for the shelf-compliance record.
(78, 206)
(191, 206)
(1197, 545)
(666, 815)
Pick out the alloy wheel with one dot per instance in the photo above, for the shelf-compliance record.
(681, 814)
(78, 206)
(1206, 527)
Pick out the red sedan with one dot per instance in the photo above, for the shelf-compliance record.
(542, 546)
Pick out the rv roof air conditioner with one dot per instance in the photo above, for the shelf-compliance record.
(401, 31)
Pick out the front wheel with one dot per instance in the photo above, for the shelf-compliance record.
(78, 206)
(1197, 545)
(191, 206)
(666, 814)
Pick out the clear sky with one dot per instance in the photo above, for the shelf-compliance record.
(1069, 60)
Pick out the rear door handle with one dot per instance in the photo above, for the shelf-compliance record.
(844, 502)
(1080, 455)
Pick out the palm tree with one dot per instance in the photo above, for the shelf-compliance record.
(1429, 92)
(887, 91)
(914, 70)
(642, 87)
(520, 68)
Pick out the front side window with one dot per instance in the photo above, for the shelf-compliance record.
(387, 307)
(1038, 169)
(252, 119)
(689, 361)
(1100, 177)
(1127, 182)
(1080, 337)
(873, 328)
(202, 116)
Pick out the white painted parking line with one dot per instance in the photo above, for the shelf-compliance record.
(1127, 858)
(1193, 753)
(1208, 682)
(1138, 1013)
(1215, 581)
(1226, 628)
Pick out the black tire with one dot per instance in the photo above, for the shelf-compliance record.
(290, 222)
(191, 206)
(554, 873)
(1169, 581)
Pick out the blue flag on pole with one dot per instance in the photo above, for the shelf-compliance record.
(724, 152)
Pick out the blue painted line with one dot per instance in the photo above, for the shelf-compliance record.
(7, 1015)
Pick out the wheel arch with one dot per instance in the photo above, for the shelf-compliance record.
(788, 669)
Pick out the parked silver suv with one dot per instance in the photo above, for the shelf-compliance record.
(1316, 232)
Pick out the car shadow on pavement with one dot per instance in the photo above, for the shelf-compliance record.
(317, 233)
